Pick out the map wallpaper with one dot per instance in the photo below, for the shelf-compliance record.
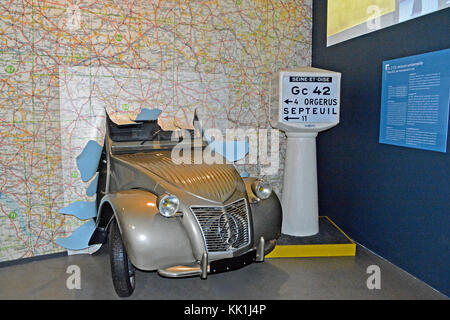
(62, 63)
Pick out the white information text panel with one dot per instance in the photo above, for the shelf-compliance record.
(310, 99)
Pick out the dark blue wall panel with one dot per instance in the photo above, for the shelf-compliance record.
(393, 200)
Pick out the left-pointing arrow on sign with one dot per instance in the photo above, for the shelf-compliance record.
(288, 101)
(287, 118)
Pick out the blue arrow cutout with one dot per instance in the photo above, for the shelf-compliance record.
(231, 150)
(92, 189)
(88, 160)
(148, 115)
(79, 239)
(81, 209)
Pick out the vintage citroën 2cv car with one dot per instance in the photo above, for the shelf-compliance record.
(179, 219)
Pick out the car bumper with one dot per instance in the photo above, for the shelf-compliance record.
(218, 266)
(234, 263)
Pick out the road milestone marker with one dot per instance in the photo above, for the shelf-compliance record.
(304, 101)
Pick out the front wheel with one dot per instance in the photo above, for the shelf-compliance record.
(123, 272)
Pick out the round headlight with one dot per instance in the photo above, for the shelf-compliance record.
(168, 205)
(262, 189)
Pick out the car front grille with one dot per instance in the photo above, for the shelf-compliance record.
(224, 228)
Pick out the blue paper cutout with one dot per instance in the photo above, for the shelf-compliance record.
(81, 209)
(87, 161)
(231, 150)
(79, 239)
(148, 115)
(92, 189)
(245, 175)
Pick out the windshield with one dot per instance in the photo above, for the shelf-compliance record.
(146, 136)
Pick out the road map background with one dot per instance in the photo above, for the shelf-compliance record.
(63, 62)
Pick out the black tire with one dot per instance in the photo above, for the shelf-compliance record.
(123, 272)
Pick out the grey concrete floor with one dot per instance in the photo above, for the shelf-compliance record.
(293, 278)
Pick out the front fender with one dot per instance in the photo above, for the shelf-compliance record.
(266, 214)
(151, 240)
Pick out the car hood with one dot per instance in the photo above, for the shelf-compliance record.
(216, 182)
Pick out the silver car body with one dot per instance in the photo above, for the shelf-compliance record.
(219, 215)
